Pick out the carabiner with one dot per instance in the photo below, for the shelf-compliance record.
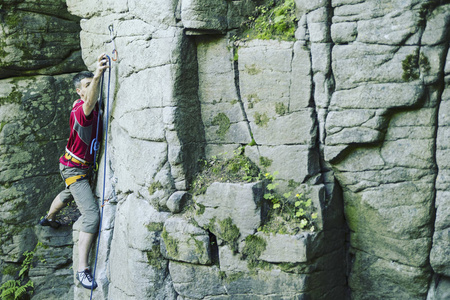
(111, 35)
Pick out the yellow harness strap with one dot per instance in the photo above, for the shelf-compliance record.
(73, 159)
(74, 179)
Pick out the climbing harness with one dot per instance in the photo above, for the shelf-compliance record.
(111, 35)
(69, 156)
(74, 179)
(96, 145)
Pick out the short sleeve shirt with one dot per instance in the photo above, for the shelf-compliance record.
(83, 131)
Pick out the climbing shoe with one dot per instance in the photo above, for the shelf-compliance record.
(46, 222)
(86, 279)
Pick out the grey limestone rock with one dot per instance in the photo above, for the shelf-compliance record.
(176, 201)
(183, 241)
(282, 248)
(240, 203)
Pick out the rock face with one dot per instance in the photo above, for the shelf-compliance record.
(352, 112)
(39, 49)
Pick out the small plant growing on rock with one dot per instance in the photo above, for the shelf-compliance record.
(413, 64)
(261, 119)
(287, 216)
(223, 122)
(239, 168)
(254, 247)
(22, 287)
(302, 210)
(275, 20)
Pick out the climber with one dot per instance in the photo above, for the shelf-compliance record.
(75, 167)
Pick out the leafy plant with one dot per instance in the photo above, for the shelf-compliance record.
(275, 20)
(15, 289)
(261, 119)
(287, 216)
(239, 168)
(22, 287)
(303, 211)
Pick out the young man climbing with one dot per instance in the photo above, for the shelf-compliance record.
(75, 165)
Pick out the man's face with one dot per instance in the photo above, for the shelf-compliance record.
(84, 83)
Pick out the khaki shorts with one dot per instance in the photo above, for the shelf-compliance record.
(82, 193)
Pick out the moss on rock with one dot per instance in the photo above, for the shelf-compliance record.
(171, 244)
(223, 122)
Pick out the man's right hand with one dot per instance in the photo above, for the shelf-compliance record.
(102, 65)
(93, 90)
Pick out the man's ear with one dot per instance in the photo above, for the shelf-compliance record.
(79, 92)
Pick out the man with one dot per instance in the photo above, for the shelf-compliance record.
(75, 165)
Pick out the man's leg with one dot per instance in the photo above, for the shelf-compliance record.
(90, 219)
(57, 206)
(85, 240)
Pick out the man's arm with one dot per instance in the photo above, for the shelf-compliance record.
(93, 89)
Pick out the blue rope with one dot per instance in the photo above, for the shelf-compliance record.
(96, 147)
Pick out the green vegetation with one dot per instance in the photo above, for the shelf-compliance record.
(252, 100)
(201, 209)
(154, 257)
(252, 69)
(14, 97)
(229, 233)
(424, 63)
(239, 168)
(231, 277)
(10, 270)
(274, 20)
(410, 68)
(254, 246)
(236, 56)
(261, 119)
(154, 226)
(265, 162)
(293, 184)
(226, 231)
(413, 64)
(288, 216)
(2, 124)
(199, 249)
(171, 244)
(223, 122)
(154, 187)
(22, 287)
(425, 9)
(280, 108)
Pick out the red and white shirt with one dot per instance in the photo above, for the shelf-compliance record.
(82, 131)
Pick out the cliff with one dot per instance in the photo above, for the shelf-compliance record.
(257, 150)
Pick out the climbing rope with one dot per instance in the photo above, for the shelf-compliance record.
(96, 145)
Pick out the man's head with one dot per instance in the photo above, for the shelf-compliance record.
(81, 81)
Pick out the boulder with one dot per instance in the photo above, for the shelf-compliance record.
(284, 248)
(176, 201)
(204, 15)
(196, 281)
(183, 241)
(231, 211)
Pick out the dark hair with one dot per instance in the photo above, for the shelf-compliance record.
(80, 76)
